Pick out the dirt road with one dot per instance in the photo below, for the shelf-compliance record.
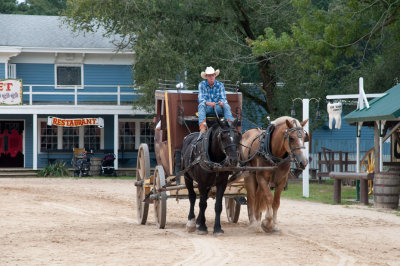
(92, 222)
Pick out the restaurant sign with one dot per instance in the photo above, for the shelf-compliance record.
(11, 91)
(75, 122)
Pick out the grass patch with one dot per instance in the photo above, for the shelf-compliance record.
(320, 193)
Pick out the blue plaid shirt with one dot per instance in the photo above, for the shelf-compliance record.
(214, 94)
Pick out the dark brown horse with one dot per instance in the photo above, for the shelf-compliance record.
(217, 147)
(286, 144)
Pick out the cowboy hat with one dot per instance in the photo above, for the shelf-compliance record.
(209, 71)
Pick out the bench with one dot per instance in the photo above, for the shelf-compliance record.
(363, 177)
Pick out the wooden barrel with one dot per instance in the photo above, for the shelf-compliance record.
(95, 165)
(386, 189)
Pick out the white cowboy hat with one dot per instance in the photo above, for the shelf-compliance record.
(209, 70)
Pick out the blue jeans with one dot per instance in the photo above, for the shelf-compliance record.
(205, 110)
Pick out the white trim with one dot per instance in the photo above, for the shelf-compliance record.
(6, 70)
(11, 71)
(353, 96)
(71, 110)
(88, 59)
(116, 140)
(35, 142)
(65, 50)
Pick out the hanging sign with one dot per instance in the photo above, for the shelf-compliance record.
(75, 122)
(11, 91)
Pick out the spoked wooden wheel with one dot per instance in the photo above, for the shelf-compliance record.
(232, 207)
(142, 173)
(160, 197)
(367, 165)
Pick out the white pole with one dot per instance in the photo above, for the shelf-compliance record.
(306, 172)
(359, 125)
(116, 141)
(35, 141)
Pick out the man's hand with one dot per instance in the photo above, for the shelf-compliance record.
(221, 103)
(212, 104)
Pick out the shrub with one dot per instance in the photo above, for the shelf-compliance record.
(56, 169)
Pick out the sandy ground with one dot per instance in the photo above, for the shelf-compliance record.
(93, 222)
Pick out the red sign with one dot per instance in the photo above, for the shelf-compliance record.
(75, 122)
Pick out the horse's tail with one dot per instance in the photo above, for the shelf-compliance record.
(261, 201)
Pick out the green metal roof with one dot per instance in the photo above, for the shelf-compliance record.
(386, 107)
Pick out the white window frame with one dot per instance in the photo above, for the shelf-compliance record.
(60, 135)
(137, 129)
(68, 86)
(12, 71)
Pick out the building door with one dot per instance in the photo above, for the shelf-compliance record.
(11, 138)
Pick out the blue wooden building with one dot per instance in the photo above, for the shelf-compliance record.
(69, 76)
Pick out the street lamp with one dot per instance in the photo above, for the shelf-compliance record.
(317, 113)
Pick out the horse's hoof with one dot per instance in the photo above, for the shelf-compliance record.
(219, 232)
(202, 232)
(267, 227)
(191, 226)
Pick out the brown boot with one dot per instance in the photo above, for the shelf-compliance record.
(203, 126)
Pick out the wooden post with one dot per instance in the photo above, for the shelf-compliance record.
(337, 186)
(364, 191)
(376, 146)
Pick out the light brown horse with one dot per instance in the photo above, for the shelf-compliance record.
(286, 145)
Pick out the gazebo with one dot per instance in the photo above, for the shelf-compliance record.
(383, 114)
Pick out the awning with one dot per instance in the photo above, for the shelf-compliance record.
(386, 108)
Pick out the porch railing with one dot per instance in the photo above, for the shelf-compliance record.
(112, 94)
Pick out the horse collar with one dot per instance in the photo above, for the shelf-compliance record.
(265, 146)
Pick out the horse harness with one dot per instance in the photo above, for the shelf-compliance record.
(264, 149)
(200, 150)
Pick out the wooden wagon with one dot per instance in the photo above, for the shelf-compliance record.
(176, 109)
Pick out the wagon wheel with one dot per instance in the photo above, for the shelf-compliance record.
(367, 164)
(160, 199)
(142, 173)
(232, 207)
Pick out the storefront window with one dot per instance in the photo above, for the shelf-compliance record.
(70, 138)
(48, 137)
(126, 136)
(92, 138)
(147, 134)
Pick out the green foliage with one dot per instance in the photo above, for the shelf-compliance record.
(58, 169)
(177, 39)
(33, 7)
(45, 7)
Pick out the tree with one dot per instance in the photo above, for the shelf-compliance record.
(335, 42)
(181, 37)
(8, 6)
(45, 7)
(33, 7)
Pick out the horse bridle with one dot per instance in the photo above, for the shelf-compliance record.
(299, 131)
(231, 135)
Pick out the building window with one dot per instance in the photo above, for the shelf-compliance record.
(68, 75)
(70, 138)
(126, 136)
(147, 134)
(12, 71)
(92, 138)
(48, 137)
